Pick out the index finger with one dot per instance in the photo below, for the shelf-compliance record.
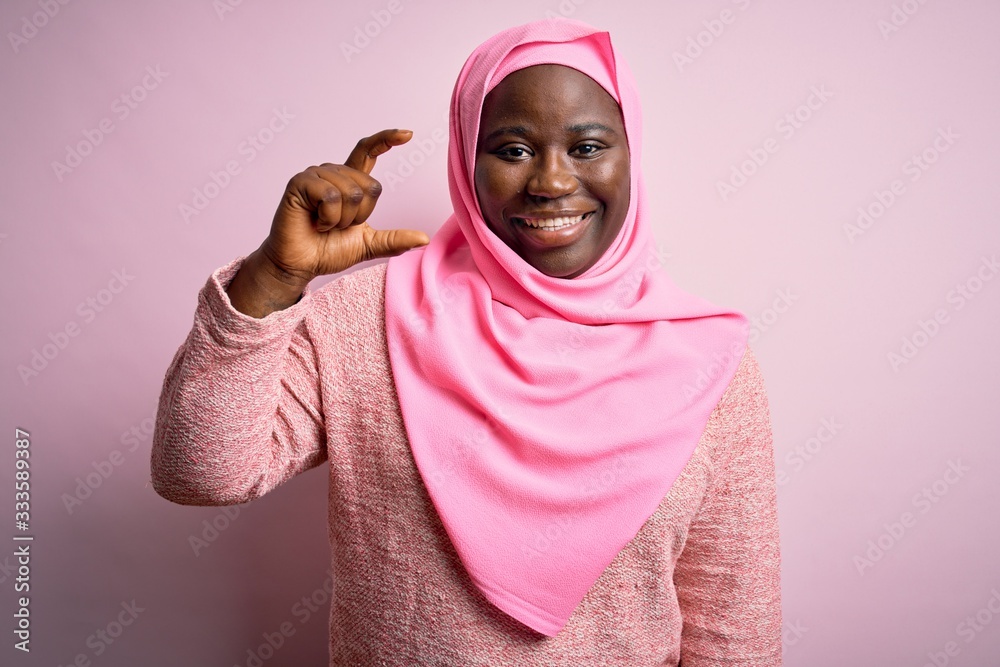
(363, 156)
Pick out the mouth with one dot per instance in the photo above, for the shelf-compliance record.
(549, 231)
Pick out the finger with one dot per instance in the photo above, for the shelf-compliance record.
(392, 242)
(363, 156)
(372, 191)
(369, 186)
(328, 194)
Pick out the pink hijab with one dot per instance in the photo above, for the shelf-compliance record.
(548, 417)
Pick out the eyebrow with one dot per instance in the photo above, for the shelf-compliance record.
(521, 131)
(588, 127)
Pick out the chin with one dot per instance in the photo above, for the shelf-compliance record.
(560, 269)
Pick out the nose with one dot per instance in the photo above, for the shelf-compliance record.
(552, 176)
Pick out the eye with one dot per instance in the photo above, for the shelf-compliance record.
(512, 153)
(589, 150)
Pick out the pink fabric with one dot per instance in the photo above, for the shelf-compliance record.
(249, 404)
(548, 417)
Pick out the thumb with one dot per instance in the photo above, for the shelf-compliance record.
(392, 242)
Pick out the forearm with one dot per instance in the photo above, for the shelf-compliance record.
(219, 438)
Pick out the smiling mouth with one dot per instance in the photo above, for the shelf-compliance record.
(552, 223)
(549, 233)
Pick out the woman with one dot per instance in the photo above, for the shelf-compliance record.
(541, 450)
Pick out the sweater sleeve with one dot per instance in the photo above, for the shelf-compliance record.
(240, 408)
(728, 575)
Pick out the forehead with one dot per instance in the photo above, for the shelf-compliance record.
(546, 91)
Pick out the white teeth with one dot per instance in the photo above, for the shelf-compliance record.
(552, 223)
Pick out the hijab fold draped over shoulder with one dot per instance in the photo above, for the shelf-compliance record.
(548, 417)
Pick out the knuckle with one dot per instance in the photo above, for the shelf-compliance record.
(355, 196)
(330, 196)
(374, 188)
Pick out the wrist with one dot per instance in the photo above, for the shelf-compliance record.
(274, 276)
(257, 290)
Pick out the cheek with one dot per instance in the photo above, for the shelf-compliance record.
(479, 181)
(625, 185)
(612, 181)
(490, 195)
(495, 183)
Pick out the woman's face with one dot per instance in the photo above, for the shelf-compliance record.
(552, 148)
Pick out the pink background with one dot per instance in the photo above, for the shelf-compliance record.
(830, 309)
